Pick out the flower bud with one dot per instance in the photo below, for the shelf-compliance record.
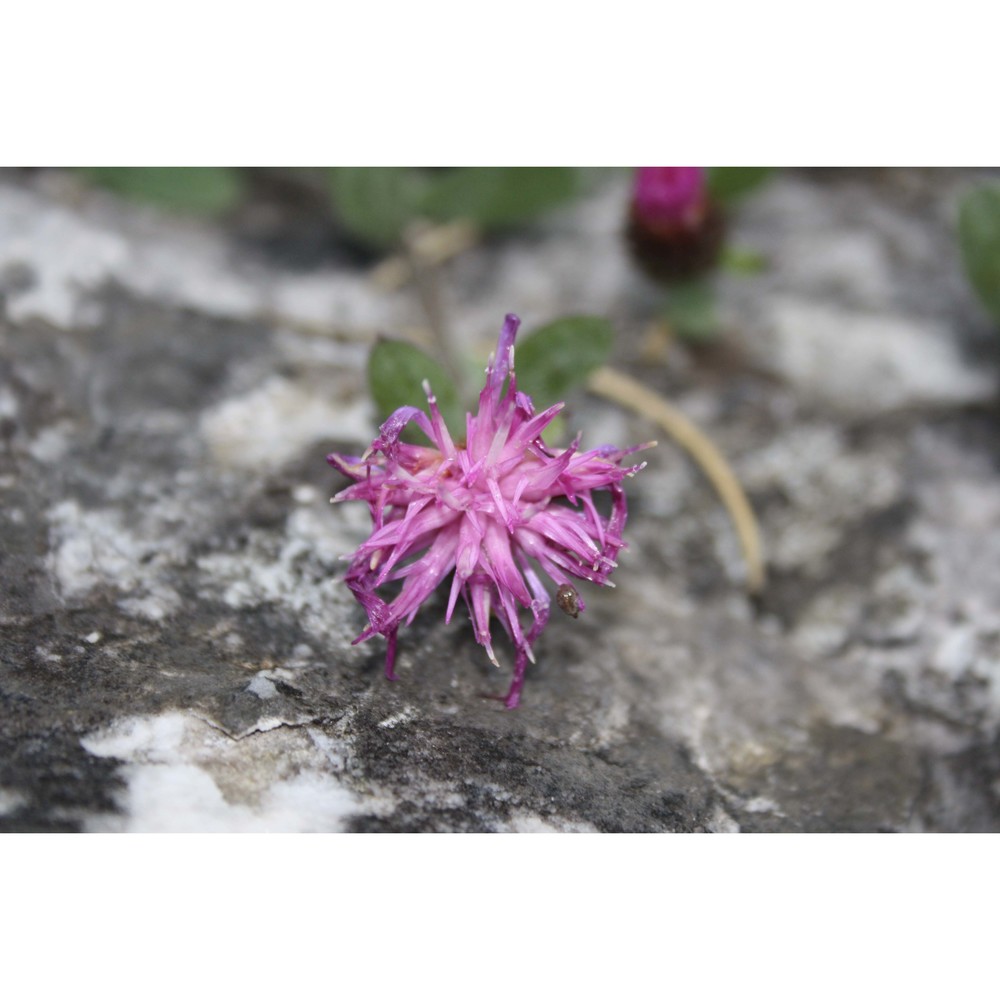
(675, 231)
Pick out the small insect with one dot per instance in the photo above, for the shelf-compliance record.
(569, 600)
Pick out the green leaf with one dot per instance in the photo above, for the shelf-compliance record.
(555, 358)
(690, 310)
(375, 204)
(728, 184)
(396, 372)
(557, 434)
(979, 238)
(497, 197)
(198, 190)
(743, 261)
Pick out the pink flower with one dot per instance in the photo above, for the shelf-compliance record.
(669, 198)
(488, 509)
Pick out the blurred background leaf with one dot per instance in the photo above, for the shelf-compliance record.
(375, 204)
(690, 311)
(197, 190)
(979, 238)
(396, 372)
(727, 184)
(497, 197)
(743, 261)
(560, 356)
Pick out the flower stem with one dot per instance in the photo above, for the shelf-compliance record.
(435, 245)
(627, 392)
(425, 277)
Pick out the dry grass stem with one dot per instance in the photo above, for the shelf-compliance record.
(627, 392)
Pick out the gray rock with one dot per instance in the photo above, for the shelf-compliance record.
(176, 647)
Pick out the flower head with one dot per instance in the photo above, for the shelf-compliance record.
(500, 511)
(669, 198)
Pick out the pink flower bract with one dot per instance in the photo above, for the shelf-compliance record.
(500, 511)
(669, 197)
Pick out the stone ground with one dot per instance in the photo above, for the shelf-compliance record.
(175, 648)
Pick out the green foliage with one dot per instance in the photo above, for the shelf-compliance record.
(550, 362)
(561, 355)
(690, 311)
(396, 372)
(197, 190)
(979, 238)
(743, 261)
(729, 184)
(497, 197)
(376, 204)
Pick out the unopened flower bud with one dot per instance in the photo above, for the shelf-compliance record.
(675, 231)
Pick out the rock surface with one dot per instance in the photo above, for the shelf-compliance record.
(175, 648)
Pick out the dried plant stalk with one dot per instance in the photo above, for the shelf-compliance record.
(625, 391)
